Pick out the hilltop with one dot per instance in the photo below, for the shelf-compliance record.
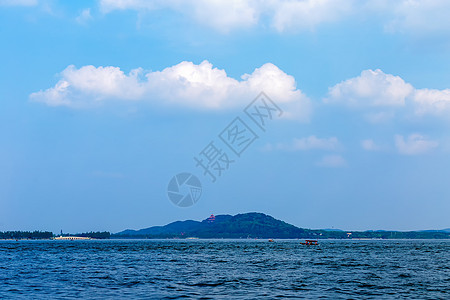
(259, 225)
(224, 226)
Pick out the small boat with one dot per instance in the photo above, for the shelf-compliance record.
(310, 243)
(71, 238)
(270, 241)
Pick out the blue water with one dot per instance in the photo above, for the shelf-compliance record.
(225, 269)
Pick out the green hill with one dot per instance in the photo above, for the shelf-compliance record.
(259, 225)
(249, 225)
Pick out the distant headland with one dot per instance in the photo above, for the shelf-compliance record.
(241, 226)
(259, 225)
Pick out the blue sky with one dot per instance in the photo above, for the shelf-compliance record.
(102, 102)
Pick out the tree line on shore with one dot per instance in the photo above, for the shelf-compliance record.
(39, 235)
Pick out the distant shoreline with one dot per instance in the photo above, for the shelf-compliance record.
(258, 225)
(227, 239)
(244, 226)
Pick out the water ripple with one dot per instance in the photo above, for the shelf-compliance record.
(223, 269)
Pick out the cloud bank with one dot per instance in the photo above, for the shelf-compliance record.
(387, 93)
(379, 96)
(414, 17)
(185, 84)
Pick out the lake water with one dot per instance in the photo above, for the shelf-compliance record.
(225, 269)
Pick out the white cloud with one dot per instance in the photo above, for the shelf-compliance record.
(371, 88)
(411, 16)
(414, 144)
(185, 84)
(416, 16)
(369, 145)
(226, 15)
(332, 161)
(308, 14)
(385, 94)
(84, 17)
(110, 5)
(220, 15)
(78, 87)
(18, 2)
(431, 101)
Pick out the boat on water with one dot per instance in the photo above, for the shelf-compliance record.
(310, 243)
(71, 238)
(270, 240)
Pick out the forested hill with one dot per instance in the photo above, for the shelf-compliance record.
(259, 225)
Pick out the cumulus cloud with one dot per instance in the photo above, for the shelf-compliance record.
(386, 93)
(431, 101)
(184, 84)
(414, 144)
(371, 88)
(332, 161)
(78, 87)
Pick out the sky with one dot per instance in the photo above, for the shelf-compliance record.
(104, 102)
